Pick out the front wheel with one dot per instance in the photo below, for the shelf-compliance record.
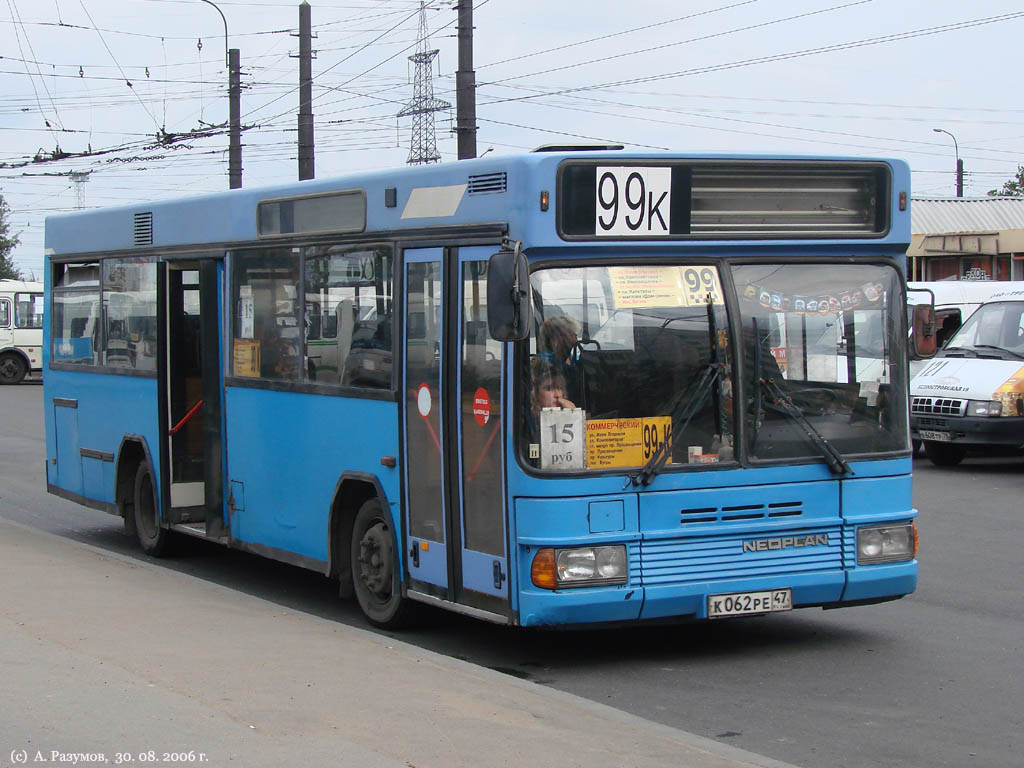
(944, 454)
(373, 551)
(152, 537)
(12, 369)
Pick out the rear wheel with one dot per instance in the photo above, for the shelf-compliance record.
(373, 551)
(944, 454)
(12, 369)
(152, 537)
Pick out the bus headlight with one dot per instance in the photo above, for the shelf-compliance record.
(886, 543)
(580, 567)
(984, 408)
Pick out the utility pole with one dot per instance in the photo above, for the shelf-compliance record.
(234, 120)
(306, 164)
(231, 59)
(423, 148)
(959, 162)
(465, 85)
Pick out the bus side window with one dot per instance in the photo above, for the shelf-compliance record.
(353, 289)
(76, 332)
(5, 314)
(268, 336)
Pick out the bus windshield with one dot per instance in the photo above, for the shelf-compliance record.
(822, 352)
(620, 359)
(614, 356)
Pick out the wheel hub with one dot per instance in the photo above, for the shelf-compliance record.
(375, 559)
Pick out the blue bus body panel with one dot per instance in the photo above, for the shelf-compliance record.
(231, 216)
(685, 543)
(874, 500)
(289, 450)
(108, 408)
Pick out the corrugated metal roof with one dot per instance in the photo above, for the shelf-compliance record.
(940, 215)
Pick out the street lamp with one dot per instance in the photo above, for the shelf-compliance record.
(959, 163)
(232, 61)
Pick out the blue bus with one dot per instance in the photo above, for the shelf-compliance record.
(577, 386)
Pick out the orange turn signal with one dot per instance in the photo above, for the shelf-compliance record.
(913, 527)
(542, 572)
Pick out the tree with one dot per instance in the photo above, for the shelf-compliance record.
(1012, 188)
(7, 243)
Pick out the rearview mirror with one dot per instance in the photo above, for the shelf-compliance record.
(508, 295)
(923, 342)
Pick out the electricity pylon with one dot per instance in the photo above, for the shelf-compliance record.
(423, 147)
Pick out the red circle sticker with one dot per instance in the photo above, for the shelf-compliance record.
(481, 406)
(423, 400)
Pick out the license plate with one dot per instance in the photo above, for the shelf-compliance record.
(933, 434)
(746, 603)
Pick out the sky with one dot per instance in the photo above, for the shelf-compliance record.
(825, 77)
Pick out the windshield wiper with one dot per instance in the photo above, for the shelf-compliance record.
(832, 457)
(683, 411)
(1001, 349)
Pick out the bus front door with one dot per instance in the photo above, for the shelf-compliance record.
(455, 518)
(189, 376)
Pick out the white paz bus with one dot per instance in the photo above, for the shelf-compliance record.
(21, 329)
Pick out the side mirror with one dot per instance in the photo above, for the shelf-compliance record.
(923, 342)
(508, 296)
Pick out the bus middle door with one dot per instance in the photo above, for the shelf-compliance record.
(456, 545)
(189, 371)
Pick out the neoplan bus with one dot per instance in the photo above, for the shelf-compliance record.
(21, 329)
(346, 375)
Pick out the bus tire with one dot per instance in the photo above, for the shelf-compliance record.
(12, 368)
(374, 551)
(151, 536)
(944, 454)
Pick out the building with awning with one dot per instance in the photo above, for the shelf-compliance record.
(966, 238)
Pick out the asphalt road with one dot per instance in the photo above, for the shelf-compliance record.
(935, 679)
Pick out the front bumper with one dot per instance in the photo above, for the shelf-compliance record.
(966, 430)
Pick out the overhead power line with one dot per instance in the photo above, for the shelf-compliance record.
(781, 56)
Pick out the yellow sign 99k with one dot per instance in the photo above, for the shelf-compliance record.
(625, 442)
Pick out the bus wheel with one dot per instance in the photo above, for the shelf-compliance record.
(12, 369)
(944, 454)
(152, 538)
(374, 547)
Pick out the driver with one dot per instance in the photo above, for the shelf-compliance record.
(556, 339)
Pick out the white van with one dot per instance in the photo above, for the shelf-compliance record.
(955, 301)
(971, 395)
(21, 329)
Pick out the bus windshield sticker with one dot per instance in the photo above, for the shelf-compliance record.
(247, 358)
(246, 312)
(482, 406)
(423, 400)
(635, 287)
(561, 444)
(625, 442)
(825, 304)
(632, 201)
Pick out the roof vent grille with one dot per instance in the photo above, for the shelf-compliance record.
(143, 233)
(487, 182)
